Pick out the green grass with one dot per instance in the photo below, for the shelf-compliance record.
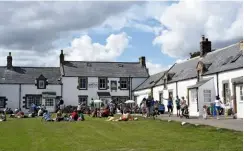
(99, 135)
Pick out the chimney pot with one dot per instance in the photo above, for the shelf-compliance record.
(203, 37)
(142, 61)
(241, 45)
(61, 57)
(9, 61)
(205, 46)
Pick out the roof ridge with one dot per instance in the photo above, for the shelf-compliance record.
(103, 62)
(221, 49)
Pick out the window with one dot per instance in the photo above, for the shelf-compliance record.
(161, 97)
(226, 92)
(135, 99)
(113, 85)
(123, 83)
(41, 84)
(36, 99)
(102, 83)
(83, 100)
(241, 93)
(2, 102)
(82, 83)
(49, 102)
(207, 95)
(236, 57)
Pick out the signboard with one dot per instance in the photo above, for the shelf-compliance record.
(113, 85)
(93, 84)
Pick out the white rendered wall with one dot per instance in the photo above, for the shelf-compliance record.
(32, 89)
(11, 92)
(71, 93)
(141, 94)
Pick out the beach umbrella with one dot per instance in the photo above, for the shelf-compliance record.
(129, 101)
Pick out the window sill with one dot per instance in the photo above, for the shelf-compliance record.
(124, 89)
(82, 88)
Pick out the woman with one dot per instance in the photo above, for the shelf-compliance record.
(183, 105)
(217, 106)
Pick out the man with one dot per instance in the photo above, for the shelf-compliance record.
(170, 105)
(217, 106)
(148, 105)
(177, 102)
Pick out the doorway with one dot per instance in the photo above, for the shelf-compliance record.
(226, 93)
(193, 103)
(239, 100)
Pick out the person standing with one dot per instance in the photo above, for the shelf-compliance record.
(217, 106)
(177, 102)
(170, 105)
(148, 105)
(183, 105)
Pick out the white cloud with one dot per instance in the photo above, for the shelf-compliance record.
(84, 49)
(188, 20)
(155, 68)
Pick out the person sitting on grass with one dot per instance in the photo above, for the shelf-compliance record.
(94, 113)
(105, 113)
(20, 114)
(74, 116)
(81, 116)
(47, 117)
(59, 116)
(2, 116)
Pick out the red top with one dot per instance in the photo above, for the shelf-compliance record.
(74, 115)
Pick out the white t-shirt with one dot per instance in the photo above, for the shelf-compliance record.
(217, 103)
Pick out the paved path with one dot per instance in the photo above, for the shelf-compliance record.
(227, 123)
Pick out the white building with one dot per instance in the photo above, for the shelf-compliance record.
(22, 86)
(73, 81)
(84, 81)
(200, 79)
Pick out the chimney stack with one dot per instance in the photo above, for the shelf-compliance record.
(9, 61)
(205, 46)
(142, 61)
(61, 57)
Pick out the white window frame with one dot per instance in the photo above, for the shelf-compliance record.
(82, 99)
(104, 85)
(207, 96)
(124, 83)
(33, 99)
(82, 82)
(49, 102)
(41, 84)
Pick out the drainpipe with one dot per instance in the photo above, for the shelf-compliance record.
(19, 95)
(176, 88)
(61, 90)
(130, 87)
(217, 83)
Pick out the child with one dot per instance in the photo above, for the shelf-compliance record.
(3, 117)
(81, 117)
(204, 112)
(74, 115)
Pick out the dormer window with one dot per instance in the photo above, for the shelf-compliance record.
(41, 82)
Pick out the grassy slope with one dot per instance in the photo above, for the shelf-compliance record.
(98, 134)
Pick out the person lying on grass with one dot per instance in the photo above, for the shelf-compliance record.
(124, 117)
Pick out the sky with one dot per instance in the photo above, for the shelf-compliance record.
(164, 32)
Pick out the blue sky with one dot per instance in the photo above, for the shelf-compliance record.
(163, 32)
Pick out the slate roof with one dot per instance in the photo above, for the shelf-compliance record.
(28, 75)
(150, 81)
(215, 61)
(200, 83)
(225, 55)
(107, 69)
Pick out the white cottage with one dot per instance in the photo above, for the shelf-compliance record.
(84, 81)
(145, 89)
(201, 78)
(22, 86)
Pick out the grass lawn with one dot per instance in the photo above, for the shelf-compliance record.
(100, 135)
